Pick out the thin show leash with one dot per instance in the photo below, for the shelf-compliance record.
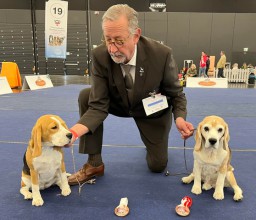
(167, 173)
(91, 181)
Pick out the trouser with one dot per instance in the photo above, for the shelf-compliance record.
(220, 73)
(202, 72)
(154, 133)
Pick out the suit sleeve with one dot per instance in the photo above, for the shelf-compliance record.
(173, 89)
(99, 99)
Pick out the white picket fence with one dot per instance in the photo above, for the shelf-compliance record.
(235, 75)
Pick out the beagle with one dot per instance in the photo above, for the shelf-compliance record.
(212, 158)
(44, 159)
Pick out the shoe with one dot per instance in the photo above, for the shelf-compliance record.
(85, 174)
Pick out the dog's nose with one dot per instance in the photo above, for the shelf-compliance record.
(212, 141)
(69, 136)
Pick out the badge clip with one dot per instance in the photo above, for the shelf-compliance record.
(153, 94)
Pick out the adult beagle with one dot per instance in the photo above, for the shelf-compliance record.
(212, 158)
(44, 159)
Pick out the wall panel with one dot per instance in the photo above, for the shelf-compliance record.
(244, 32)
(222, 34)
(199, 35)
(156, 26)
(177, 38)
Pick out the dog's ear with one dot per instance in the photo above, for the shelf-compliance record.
(36, 142)
(198, 138)
(226, 137)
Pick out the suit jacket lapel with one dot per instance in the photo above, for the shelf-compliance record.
(119, 81)
(140, 73)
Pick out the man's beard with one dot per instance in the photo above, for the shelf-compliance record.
(118, 57)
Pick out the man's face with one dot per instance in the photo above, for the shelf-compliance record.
(119, 41)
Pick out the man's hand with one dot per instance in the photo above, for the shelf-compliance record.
(77, 131)
(185, 128)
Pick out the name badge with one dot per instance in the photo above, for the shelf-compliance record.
(154, 104)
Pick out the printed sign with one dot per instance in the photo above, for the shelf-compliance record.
(157, 5)
(207, 82)
(4, 86)
(36, 82)
(56, 17)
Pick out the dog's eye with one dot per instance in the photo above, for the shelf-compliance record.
(220, 130)
(54, 127)
(206, 129)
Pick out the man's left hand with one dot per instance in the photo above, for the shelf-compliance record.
(185, 128)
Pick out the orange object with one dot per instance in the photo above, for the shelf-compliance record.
(12, 73)
(40, 82)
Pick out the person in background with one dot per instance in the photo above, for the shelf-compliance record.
(251, 68)
(235, 66)
(202, 65)
(152, 70)
(207, 65)
(221, 64)
(191, 72)
(244, 66)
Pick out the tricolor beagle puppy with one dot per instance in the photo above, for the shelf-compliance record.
(212, 157)
(44, 159)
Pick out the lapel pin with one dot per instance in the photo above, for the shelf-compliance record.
(141, 71)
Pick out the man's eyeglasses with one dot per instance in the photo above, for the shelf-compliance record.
(117, 42)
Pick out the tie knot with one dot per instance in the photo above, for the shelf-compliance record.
(126, 68)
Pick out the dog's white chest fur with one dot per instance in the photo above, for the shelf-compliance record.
(48, 165)
(210, 172)
(210, 161)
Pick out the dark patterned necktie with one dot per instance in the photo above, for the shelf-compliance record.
(128, 82)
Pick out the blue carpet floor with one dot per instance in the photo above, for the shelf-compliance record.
(151, 196)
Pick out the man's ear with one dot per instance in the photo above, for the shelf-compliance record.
(137, 35)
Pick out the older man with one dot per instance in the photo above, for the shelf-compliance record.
(127, 69)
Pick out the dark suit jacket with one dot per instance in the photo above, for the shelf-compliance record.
(156, 70)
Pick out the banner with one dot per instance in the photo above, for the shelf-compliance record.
(56, 19)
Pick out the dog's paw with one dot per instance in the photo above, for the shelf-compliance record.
(37, 201)
(238, 196)
(218, 195)
(66, 191)
(196, 190)
(207, 186)
(186, 180)
(27, 195)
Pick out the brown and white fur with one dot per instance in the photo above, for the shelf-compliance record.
(212, 158)
(44, 159)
